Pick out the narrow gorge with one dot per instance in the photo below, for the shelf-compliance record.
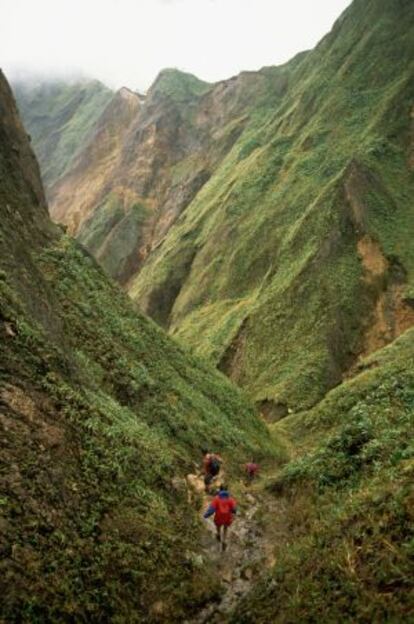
(225, 266)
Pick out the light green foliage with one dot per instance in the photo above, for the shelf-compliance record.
(99, 326)
(228, 317)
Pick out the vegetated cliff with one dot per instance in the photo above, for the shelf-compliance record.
(112, 234)
(101, 416)
(60, 116)
(265, 220)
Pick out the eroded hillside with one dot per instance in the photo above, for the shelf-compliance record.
(135, 179)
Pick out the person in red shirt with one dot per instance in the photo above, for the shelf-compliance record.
(223, 507)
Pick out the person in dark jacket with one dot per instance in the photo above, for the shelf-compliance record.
(211, 467)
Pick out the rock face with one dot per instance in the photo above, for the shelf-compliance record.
(264, 220)
(99, 411)
(112, 231)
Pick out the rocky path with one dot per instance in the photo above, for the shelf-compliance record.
(250, 552)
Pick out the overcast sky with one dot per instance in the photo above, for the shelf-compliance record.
(127, 42)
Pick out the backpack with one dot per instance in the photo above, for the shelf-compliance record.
(225, 506)
(214, 466)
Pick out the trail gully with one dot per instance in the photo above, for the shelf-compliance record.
(250, 551)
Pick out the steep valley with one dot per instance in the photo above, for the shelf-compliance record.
(228, 266)
(102, 416)
(241, 215)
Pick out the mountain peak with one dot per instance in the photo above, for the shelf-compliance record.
(178, 85)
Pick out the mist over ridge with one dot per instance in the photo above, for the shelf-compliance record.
(129, 43)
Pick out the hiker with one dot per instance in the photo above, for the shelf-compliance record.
(252, 470)
(211, 467)
(224, 507)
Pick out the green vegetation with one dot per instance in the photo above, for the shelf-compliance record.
(178, 85)
(349, 501)
(112, 234)
(228, 317)
(60, 118)
(95, 229)
(290, 258)
(322, 162)
(102, 418)
(133, 411)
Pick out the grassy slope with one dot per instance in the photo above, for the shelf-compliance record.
(60, 118)
(99, 412)
(349, 545)
(271, 239)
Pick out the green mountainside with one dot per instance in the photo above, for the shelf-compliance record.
(60, 117)
(102, 416)
(148, 158)
(265, 220)
(178, 85)
(296, 256)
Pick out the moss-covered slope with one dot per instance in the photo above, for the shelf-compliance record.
(101, 417)
(296, 257)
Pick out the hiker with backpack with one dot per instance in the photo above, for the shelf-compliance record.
(211, 467)
(223, 507)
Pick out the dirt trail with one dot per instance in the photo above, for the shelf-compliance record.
(250, 551)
